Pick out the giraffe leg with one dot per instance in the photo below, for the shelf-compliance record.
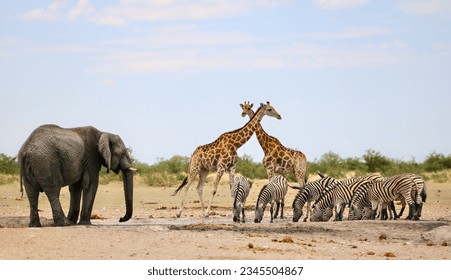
(200, 186)
(232, 175)
(190, 180)
(300, 177)
(219, 174)
(270, 172)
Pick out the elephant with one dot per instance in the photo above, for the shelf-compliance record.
(53, 157)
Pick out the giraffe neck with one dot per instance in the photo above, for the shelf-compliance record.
(262, 137)
(243, 134)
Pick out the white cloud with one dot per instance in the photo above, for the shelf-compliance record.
(350, 33)
(157, 10)
(339, 4)
(52, 12)
(278, 55)
(151, 10)
(425, 7)
(82, 8)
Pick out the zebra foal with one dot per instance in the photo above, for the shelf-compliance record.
(240, 192)
(274, 191)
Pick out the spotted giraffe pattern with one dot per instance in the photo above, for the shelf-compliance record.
(278, 159)
(221, 156)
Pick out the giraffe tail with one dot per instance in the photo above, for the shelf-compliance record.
(185, 181)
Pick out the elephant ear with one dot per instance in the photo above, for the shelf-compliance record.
(104, 149)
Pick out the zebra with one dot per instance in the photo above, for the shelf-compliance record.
(274, 191)
(338, 197)
(310, 192)
(240, 191)
(361, 200)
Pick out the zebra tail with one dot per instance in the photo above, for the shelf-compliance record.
(185, 181)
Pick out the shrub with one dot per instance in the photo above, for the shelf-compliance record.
(8, 165)
(248, 168)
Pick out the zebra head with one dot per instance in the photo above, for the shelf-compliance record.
(355, 213)
(297, 209)
(237, 211)
(259, 210)
(316, 217)
(327, 214)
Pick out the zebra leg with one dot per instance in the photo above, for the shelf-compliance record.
(271, 209)
(393, 209)
(337, 213)
(419, 209)
(309, 210)
(373, 210)
(412, 212)
(341, 212)
(277, 209)
(281, 209)
(384, 214)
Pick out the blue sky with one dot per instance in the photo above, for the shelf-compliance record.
(167, 76)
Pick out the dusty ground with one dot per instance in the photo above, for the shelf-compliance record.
(155, 233)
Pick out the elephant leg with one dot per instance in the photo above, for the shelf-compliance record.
(53, 194)
(89, 195)
(33, 197)
(75, 199)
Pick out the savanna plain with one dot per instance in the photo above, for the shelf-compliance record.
(154, 232)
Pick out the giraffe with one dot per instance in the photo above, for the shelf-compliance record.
(221, 155)
(278, 158)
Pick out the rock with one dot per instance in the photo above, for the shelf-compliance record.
(438, 236)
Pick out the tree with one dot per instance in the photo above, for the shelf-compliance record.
(376, 162)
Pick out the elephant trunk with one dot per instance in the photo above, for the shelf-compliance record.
(127, 176)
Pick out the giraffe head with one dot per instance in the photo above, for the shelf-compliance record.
(247, 109)
(270, 110)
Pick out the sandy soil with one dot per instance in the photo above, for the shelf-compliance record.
(155, 233)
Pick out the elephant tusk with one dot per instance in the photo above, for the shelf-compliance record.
(132, 169)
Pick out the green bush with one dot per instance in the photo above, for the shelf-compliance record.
(8, 165)
(172, 171)
(436, 162)
(248, 168)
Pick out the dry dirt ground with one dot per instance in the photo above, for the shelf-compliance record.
(155, 233)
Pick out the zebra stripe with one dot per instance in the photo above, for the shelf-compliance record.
(310, 192)
(240, 192)
(338, 197)
(362, 199)
(391, 189)
(274, 191)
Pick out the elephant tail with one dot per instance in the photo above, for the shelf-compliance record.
(185, 181)
(21, 165)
